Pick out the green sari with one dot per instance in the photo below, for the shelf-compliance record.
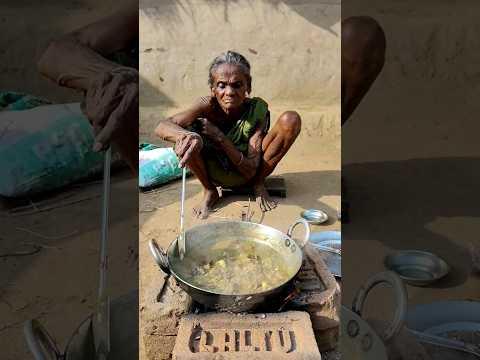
(221, 170)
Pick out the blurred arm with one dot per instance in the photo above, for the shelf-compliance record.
(75, 59)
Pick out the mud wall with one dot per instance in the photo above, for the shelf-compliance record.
(293, 47)
(24, 38)
(425, 101)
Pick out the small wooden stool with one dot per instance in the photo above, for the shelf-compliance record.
(275, 186)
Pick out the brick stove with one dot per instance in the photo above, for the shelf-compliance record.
(175, 327)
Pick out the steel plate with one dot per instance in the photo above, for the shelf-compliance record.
(418, 268)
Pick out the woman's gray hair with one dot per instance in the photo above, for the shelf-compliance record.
(231, 58)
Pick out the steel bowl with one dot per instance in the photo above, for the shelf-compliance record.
(314, 216)
(417, 268)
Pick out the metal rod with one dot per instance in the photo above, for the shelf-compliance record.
(181, 240)
(105, 223)
(329, 249)
(102, 318)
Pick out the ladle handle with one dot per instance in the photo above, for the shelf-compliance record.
(160, 256)
(307, 231)
(400, 294)
(39, 342)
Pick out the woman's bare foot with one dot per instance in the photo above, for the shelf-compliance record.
(262, 198)
(210, 198)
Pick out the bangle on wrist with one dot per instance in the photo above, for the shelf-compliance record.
(241, 159)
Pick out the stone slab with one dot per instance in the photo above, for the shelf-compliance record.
(275, 186)
(222, 336)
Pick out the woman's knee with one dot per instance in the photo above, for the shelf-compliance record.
(364, 28)
(363, 38)
(290, 121)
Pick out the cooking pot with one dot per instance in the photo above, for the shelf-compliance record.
(357, 338)
(201, 239)
(81, 346)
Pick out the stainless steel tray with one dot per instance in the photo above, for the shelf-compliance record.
(330, 245)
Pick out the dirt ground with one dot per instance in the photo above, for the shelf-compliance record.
(58, 284)
(312, 173)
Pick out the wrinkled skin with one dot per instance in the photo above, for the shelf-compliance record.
(111, 106)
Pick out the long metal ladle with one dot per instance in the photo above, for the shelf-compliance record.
(181, 236)
(101, 320)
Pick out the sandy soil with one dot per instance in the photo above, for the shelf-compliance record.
(312, 173)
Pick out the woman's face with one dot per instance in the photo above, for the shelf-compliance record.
(230, 87)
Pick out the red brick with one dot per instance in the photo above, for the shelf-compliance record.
(315, 281)
(321, 297)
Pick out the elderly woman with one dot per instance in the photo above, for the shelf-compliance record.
(225, 138)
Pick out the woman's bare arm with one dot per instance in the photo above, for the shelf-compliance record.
(173, 129)
(76, 59)
(247, 166)
(175, 126)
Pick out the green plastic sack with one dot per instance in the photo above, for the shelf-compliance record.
(44, 147)
(157, 165)
(15, 101)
